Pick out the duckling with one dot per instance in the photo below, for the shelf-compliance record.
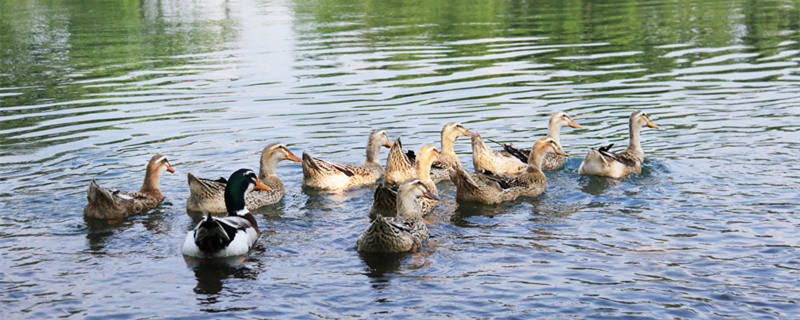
(619, 165)
(450, 132)
(206, 195)
(385, 198)
(332, 176)
(234, 234)
(406, 231)
(489, 188)
(114, 204)
(513, 161)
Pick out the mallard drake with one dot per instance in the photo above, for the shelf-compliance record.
(402, 233)
(601, 162)
(105, 203)
(489, 188)
(332, 176)
(234, 234)
(206, 195)
(385, 199)
(450, 132)
(513, 161)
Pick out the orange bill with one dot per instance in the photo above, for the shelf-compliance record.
(574, 124)
(387, 144)
(293, 157)
(430, 196)
(471, 134)
(651, 124)
(261, 186)
(170, 168)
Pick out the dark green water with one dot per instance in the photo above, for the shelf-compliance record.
(91, 89)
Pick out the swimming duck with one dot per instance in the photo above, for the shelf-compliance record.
(450, 132)
(402, 233)
(105, 203)
(385, 199)
(601, 162)
(513, 161)
(206, 195)
(489, 188)
(332, 176)
(234, 234)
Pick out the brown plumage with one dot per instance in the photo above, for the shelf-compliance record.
(207, 195)
(384, 200)
(104, 203)
(513, 161)
(332, 176)
(602, 162)
(490, 188)
(406, 231)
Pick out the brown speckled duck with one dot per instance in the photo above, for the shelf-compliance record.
(403, 233)
(110, 204)
(450, 132)
(492, 189)
(400, 163)
(513, 161)
(601, 162)
(332, 176)
(385, 199)
(206, 195)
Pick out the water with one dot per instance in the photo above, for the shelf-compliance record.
(91, 89)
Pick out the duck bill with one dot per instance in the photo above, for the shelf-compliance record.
(293, 157)
(574, 124)
(261, 186)
(471, 134)
(430, 196)
(651, 124)
(170, 169)
(387, 144)
(561, 153)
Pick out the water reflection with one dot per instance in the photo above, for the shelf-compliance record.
(211, 273)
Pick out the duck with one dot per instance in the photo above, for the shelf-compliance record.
(402, 233)
(108, 204)
(234, 234)
(385, 198)
(334, 177)
(450, 132)
(513, 161)
(602, 162)
(207, 195)
(489, 188)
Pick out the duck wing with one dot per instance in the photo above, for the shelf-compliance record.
(327, 166)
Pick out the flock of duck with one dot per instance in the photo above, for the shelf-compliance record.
(406, 194)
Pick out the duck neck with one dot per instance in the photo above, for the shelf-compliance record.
(407, 207)
(234, 200)
(633, 131)
(268, 167)
(373, 147)
(535, 160)
(447, 152)
(423, 167)
(554, 131)
(150, 185)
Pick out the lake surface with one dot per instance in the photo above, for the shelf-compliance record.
(92, 89)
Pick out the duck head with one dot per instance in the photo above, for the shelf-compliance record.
(271, 155)
(407, 194)
(239, 184)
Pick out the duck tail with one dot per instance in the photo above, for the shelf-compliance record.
(96, 193)
(384, 201)
(462, 179)
(211, 236)
(202, 186)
